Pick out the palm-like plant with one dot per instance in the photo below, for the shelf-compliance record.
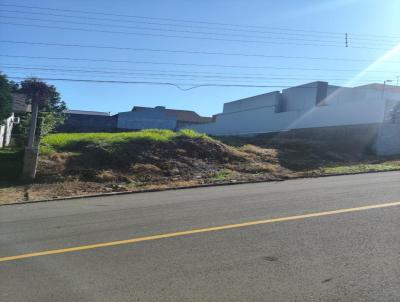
(38, 93)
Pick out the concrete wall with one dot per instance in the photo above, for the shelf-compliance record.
(265, 120)
(267, 100)
(308, 106)
(88, 123)
(388, 141)
(354, 140)
(300, 98)
(146, 120)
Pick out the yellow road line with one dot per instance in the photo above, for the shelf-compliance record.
(196, 231)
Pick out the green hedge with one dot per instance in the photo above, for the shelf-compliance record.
(10, 164)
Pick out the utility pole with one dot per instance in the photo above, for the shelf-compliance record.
(31, 150)
(346, 38)
(383, 88)
(38, 92)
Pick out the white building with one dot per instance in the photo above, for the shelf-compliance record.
(311, 105)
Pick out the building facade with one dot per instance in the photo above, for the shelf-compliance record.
(88, 121)
(20, 103)
(158, 117)
(311, 105)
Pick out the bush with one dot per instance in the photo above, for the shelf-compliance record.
(11, 164)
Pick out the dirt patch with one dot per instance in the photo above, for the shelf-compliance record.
(92, 168)
(145, 163)
(11, 194)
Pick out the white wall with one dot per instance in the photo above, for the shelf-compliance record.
(301, 97)
(259, 101)
(342, 107)
(9, 124)
(2, 132)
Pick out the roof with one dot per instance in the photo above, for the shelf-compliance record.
(388, 88)
(83, 112)
(20, 104)
(180, 115)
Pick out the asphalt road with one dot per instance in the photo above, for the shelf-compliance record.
(350, 255)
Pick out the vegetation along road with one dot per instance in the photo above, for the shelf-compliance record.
(322, 239)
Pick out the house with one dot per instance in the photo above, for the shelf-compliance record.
(361, 111)
(158, 117)
(88, 121)
(19, 107)
(136, 119)
(20, 104)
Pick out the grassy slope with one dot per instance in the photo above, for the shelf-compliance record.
(86, 163)
(72, 141)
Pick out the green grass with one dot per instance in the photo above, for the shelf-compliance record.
(72, 141)
(362, 168)
(221, 175)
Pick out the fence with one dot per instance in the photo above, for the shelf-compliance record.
(6, 129)
(2, 132)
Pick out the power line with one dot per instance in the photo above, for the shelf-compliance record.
(360, 46)
(261, 77)
(186, 64)
(150, 18)
(171, 25)
(177, 85)
(200, 72)
(176, 36)
(282, 36)
(187, 51)
(189, 21)
(183, 80)
(339, 39)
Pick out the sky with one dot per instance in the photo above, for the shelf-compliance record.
(122, 30)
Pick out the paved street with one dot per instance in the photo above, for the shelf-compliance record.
(352, 254)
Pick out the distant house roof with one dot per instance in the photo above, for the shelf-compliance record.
(180, 115)
(83, 112)
(19, 103)
(388, 88)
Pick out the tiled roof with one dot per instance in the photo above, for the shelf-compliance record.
(88, 112)
(180, 115)
(392, 88)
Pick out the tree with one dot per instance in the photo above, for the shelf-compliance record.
(38, 93)
(42, 97)
(5, 98)
(51, 115)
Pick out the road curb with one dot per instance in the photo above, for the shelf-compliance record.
(187, 187)
(142, 191)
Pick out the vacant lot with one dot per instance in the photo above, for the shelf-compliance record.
(86, 163)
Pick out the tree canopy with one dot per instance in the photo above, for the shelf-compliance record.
(5, 97)
(52, 107)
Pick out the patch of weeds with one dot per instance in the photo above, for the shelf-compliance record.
(221, 175)
(360, 168)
